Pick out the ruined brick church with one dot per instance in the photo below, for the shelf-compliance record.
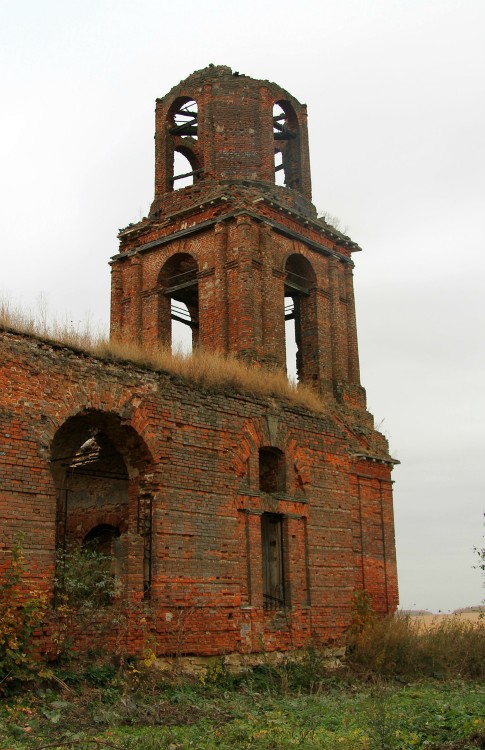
(251, 519)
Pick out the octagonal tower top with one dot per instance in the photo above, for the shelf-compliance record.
(230, 128)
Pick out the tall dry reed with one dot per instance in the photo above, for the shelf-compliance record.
(403, 646)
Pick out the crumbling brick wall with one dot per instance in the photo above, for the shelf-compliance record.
(195, 451)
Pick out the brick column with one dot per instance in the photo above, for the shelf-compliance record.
(389, 544)
(220, 311)
(295, 561)
(163, 151)
(116, 323)
(136, 306)
(150, 317)
(272, 307)
(337, 365)
(244, 307)
(353, 351)
(255, 562)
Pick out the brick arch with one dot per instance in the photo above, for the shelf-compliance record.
(241, 455)
(264, 432)
(297, 251)
(131, 446)
(190, 154)
(177, 105)
(180, 260)
(124, 404)
(173, 248)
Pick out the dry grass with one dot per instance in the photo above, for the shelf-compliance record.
(430, 620)
(402, 645)
(209, 369)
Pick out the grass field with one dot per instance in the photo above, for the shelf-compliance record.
(431, 620)
(405, 684)
(266, 709)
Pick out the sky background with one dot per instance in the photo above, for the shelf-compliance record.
(396, 103)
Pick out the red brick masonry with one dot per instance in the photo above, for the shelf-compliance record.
(195, 452)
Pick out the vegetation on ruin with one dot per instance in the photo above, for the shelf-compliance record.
(209, 369)
(22, 609)
(404, 647)
(97, 707)
(402, 686)
(267, 709)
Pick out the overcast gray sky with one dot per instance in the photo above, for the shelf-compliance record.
(396, 100)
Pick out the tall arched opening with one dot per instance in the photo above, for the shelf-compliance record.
(178, 320)
(101, 473)
(182, 121)
(301, 320)
(286, 145)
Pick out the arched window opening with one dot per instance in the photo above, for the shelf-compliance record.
(179, 303)
(95, 492)
(182, 121)
(280, 129)
(185, 169)
(279, 175)
(285, 134)
(290, 340)
(101, 538)
(182, 342)
(271, 470)
(94, 476)
(300, 345)
(183, 118)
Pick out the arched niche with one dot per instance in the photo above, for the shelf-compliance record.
(100, 469)
(272, 470)
(178, 319)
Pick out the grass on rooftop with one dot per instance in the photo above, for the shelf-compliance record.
(209, 369)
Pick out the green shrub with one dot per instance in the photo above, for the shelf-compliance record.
(83, 579)
(85, 590)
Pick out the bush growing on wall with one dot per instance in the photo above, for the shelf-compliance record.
(84, 586)
(22, 610)
(84, 580)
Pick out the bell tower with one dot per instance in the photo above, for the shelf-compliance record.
(232, 246)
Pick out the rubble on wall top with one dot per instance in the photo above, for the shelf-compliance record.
(211, 72)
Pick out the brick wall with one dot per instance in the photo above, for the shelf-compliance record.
(195, 452)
